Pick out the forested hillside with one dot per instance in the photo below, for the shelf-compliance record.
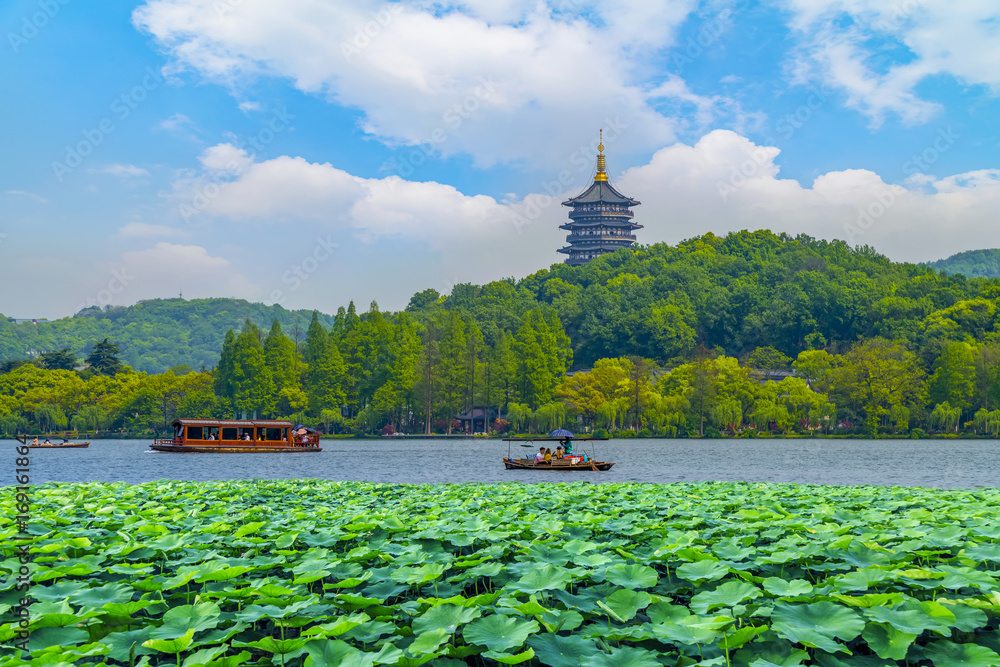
(972, 263)
(750, 333)
(153, 335)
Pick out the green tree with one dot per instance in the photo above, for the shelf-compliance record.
(877, 374)
(954, 378)
(103, 358)
(63, 359)
(252, 380)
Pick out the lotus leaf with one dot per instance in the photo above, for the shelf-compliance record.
(558, 651)
(499, 633)
(335, 653)
(632, 576)
(703, 570)
(927, 616)
(887, 641)
(428, 642)
(446, 616)
(787, 588)
(623, 605)
(949, 654)
(727, 594)
(623, 657)
(507, 659)
(819, 624)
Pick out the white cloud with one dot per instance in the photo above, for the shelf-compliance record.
(122, 171)
(162, 270)
(722, 183)
(726, 183)
(144, 230)
(249, 106)
(489, 79)
(29, 195)
(845, 43)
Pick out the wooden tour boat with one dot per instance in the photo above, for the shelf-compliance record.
(211, 436)
(568, 463)
(34, 444)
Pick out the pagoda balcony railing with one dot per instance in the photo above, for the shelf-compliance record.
(602, 208)
(583, 213)
(606, 236)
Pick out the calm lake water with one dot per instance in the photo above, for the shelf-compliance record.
(928, 463)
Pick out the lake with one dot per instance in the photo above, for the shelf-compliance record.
(927, 463)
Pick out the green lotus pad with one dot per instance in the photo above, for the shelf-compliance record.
(309, 573)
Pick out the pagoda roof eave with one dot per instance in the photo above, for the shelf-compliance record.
(601, 192)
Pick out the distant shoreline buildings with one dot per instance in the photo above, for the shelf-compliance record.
(601, 219)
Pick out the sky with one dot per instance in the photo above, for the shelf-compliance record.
(311, 152)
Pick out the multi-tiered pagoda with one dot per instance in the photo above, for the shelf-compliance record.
(601, 219)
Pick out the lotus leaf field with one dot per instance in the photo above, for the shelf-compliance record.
(321, 573)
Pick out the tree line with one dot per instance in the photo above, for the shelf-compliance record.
(751, 333)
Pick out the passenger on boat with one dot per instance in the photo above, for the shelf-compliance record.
(211, 436)
(540, 456)
(47, 441)
(559, 451)
(246, 436)
(35, 441)
(548, 456)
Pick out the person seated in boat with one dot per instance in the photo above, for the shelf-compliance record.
(548, 456)
(211, 436)
(559, 452)
(246, 437)
(540, 456)
(47, 441)
(35, 441)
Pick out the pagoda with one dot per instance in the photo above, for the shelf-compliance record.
(601, 219)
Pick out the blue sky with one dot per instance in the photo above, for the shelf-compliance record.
(309, 152)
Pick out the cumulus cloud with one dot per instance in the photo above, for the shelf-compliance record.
(165, 268)
(722, 183)
(484, 78)
(725, 183)
(843, 44)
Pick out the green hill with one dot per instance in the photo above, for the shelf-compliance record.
(972, 263)
(153, 335)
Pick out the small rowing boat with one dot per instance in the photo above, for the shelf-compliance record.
(34, 444)
(568, 463)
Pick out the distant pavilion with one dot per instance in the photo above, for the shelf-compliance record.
(601, 219)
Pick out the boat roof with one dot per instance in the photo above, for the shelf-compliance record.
(233, 422)
(545, 438)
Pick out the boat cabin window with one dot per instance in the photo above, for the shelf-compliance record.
(195, 433)
(274, 434)
(229, 433)
(247, 432)
(178, 430)
(211, 432)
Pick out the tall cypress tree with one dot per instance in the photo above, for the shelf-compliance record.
(223, 383)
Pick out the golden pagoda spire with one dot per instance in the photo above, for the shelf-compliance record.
(601, 176)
